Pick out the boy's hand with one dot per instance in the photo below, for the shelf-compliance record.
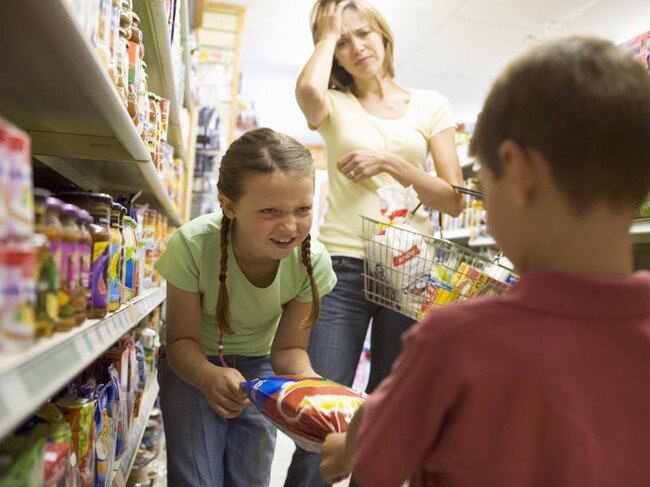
(335, 464)
(221, 387)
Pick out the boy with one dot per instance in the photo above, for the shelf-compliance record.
(550, 384)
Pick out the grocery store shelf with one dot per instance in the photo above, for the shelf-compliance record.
(481, 241)
(58, 89)
(460, 235)
(160, 69)
(150, 174)
(464, 236)
(464, 158)
(115, 178)
(185, 33)
(30, 378)
(640, 231)
(121, 473)
(55, 87)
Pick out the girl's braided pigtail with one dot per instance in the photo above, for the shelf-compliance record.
(223, 307)
(315, 303)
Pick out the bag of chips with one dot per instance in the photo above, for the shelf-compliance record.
(306, 409)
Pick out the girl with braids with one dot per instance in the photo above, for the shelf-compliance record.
(243, 289)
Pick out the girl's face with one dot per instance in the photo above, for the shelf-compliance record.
(273, 216)
(360, 49)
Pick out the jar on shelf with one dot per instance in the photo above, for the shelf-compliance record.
(126, 10)
(131, 260)
(85, 249)
(47, 272)
(143, 108)
(135, 66)
(153, 128)
(116, 258)
(101, 36)
(54, 233)
(122, 66)
(17, 294)
(98, 205)
(69, 270)
(120, 226)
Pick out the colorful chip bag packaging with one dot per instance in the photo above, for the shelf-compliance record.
(307, 409)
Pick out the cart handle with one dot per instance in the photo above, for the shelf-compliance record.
(472, 192)
(459, 189)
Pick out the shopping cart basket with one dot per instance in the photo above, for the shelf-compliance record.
(411, 273)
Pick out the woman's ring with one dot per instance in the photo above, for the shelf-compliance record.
(352, 174)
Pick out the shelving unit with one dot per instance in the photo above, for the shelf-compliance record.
(30, 378)
(54, 86)
(121, 472)
(60, 93)
(221, 35)
(640, 232)
(158, 56)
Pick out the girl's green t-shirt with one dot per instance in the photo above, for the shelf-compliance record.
(191, 263)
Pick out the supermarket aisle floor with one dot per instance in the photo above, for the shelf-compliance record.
(283, 451)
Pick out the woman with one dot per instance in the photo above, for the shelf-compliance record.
(377, 132)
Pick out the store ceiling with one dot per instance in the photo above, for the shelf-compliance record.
(454, 46)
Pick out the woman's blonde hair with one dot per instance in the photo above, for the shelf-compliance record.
(339, 78)
(260, 151)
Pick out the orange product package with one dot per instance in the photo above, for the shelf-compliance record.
(306, 409)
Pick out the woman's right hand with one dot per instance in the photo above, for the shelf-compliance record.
(221, 387)
(328, 21)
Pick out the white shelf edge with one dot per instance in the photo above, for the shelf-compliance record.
(640, 231)
(461, 234)
(28, 379)
(482, 241)
(121, 473)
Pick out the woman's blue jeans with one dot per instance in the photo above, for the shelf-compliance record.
(335, 346)
(203, 448)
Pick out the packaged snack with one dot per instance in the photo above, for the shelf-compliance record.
(307, 409)
(399, 249)
(80, 413)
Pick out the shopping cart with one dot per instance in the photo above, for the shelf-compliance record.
(411, 273)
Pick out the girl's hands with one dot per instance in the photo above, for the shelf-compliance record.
(221, 387)
(328, 21)
(362, 164)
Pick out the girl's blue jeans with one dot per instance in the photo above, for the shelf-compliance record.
(203, 448)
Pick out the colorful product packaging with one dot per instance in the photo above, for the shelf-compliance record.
(18, 296)
(307, 409)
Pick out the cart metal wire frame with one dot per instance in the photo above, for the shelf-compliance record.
(412, 273)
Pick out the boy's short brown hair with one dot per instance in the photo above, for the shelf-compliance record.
(585, 105)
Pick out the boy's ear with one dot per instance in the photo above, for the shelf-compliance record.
(519, 170)
(227, 206)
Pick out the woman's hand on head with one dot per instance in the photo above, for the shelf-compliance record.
(221, 387)
(328, 21)
(362, 164)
